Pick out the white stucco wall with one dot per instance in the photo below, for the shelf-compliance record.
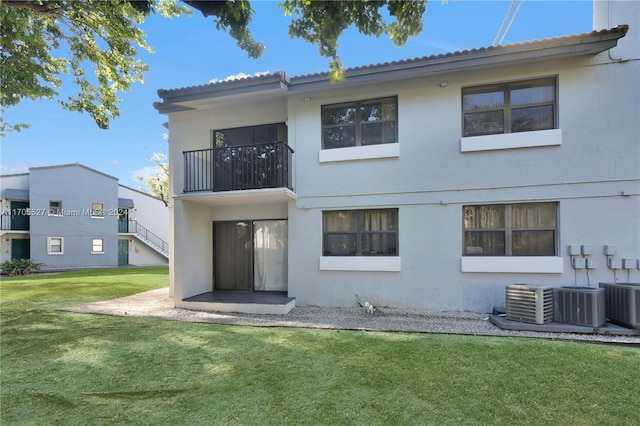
(190, 230)
(590, 166)
(593, 174)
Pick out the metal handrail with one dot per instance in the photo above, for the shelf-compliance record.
(256, 166)
(6, 225)
(148, 236)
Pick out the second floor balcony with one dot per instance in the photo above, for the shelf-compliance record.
(235, 168)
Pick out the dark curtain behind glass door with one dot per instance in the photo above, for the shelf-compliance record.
(232, 255)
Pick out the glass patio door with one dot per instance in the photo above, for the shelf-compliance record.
(270, 255)
(232, 256)
(250, 255)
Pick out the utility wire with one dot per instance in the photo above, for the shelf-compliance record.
(507, 21)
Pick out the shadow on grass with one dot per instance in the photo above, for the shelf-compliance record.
(57, 290)
(96, 369)
(69, 368)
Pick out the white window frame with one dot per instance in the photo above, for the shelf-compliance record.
(532, 139)
(513, 264)
(50, 245)
(94, 211)
(55, 210)
(355, 153)
(94, 246)
(361, 263)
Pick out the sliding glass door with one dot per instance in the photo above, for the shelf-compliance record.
(250, 255)
(270, 255)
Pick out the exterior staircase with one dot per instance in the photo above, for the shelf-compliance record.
(149, 238)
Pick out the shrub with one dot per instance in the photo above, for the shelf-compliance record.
(20, 267)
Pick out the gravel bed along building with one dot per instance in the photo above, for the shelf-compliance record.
(157, 304)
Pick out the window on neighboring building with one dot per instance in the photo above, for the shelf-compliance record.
(55, 208)
(360, 232)
(511, 230)
(369, 122)
(97, 245)
(97, 210)
(519, 106)
(55, 245)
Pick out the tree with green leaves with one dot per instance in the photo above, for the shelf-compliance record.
(96, 43)
(157, 183)
(323, 22)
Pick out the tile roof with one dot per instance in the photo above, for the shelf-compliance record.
(619, 30)
(576, 44)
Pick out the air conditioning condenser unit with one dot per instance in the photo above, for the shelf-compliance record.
(622, 303)
(529, 303)
(579, 306)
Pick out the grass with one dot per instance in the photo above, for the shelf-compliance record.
(67, 368)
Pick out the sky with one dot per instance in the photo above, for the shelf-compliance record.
(190, 51)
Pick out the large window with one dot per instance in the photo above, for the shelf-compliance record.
(511, 230)
(509, 107)
(370, 122)
(360, 232)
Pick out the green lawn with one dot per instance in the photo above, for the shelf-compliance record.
(77, 369)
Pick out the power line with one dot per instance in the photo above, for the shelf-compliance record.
(507, 21)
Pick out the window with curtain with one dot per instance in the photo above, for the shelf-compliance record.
(372, 232)
(511, 230)
(513, 107)
(359, 123)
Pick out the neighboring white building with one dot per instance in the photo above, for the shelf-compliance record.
(72, 216)
(428, 183)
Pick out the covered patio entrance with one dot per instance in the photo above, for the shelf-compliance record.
(249, 269)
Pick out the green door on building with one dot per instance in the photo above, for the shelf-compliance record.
(123, 220)
(19, 216)
(123, 252)
(20, 249)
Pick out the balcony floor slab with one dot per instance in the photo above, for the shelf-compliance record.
(240, 198)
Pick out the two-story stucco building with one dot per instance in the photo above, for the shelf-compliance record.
(72, 216)
(428, 183)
